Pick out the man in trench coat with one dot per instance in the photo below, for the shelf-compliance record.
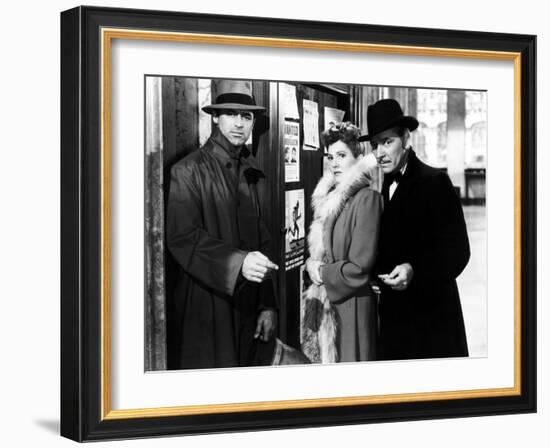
(423, 246)
(225, 299)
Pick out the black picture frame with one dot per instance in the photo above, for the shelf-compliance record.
(83, 407)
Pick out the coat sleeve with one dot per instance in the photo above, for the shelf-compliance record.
(342, 279)
(445, 247)
(213, 261)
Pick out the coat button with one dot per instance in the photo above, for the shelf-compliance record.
(228, 165)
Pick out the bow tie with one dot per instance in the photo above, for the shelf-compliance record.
(393, 177)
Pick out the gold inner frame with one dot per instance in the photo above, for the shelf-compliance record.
(107, 35)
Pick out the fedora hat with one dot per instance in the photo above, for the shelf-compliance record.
(386, 114)
(236, 95)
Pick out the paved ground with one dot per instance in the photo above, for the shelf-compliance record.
(472, 283)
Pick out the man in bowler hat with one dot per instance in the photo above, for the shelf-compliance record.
(225, 299)
(423, 246)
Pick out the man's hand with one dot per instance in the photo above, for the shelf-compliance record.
(314, 271)
(257, 267)
(400, 278)
(266, 325)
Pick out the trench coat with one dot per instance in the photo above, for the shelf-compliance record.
(423, 224)
(213, 221)
(351, 242)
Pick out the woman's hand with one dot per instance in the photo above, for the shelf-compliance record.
(314, 270)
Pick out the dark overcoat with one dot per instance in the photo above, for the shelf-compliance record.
(423, 224)
(213, 221)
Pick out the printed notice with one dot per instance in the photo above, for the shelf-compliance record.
(291, 145)
(333, 116)
(311, 125)
(294, 229)
(288, 102)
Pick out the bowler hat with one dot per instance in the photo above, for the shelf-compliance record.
(234, 95)
(386, 114)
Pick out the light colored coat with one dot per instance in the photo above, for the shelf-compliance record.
(340, 314)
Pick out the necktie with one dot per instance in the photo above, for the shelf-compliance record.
(388, 188)
(394, 177)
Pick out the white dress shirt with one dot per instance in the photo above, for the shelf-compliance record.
(394, 184)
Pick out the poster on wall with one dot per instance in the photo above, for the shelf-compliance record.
(288, 103)
(295, 229)
(291, 144)
(333, 116)
(311, 125)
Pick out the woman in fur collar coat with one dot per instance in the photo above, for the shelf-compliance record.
(340, 306)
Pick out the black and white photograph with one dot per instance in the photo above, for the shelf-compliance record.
(372, 196)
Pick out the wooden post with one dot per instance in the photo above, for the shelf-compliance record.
(155, 317)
